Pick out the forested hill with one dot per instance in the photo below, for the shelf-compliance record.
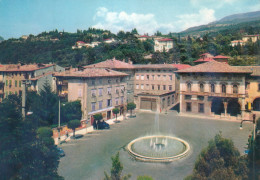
(1, 38)
(242, 21)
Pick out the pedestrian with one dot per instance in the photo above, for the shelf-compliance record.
(67, 134)
(95, 124)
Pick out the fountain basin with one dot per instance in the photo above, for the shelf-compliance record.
(158, 148)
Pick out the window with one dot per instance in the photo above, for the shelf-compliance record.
(164, 87)
(6, 83)
(201, 87)
(15, 83)
(170, 87)
(117, 100)
(10, 82)
(158, 87)
(152, 86)
(109, 102)
(100, 104)
(20, 83)
(235, 89)
(93, 82)
(137, 77)
(117, 89)
(188, 107)
(93, 92)
(212, 88)
(142, 77)
(122, 99)
(142, 86)
(137, 86)
(148, 77)
(170, 76)
(187, 97)
(201, 108)
(100, 91)
(189, 87)
(122, 88)
(201, 98)
(109, 90)
(93, 106)
(164, 77)
(223, 88)
(79, 92)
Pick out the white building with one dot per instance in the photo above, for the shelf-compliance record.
(163, 45)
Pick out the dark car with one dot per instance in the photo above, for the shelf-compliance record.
(77, 136)
(61, 152)
(103, 125)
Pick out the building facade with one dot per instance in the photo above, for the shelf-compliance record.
(35, 75)
(213, 89)
(99, 90)
(162, 45)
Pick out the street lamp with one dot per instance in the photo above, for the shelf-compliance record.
(254, 127)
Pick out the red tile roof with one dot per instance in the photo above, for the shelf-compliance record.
(181, 66)
(153, 66)
(90, 72)
(166, 39)
(221, 57)
(112, 64)
(204, 60)
(20, 68)
(213, 67)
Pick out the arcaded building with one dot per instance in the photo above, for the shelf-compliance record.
(99, 90)
(213, 89)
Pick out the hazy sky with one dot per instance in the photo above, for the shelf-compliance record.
(24, 17)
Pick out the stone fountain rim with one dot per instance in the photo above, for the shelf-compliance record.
(154, 159)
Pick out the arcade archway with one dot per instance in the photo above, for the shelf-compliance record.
(233, 107)
(217, 106)
(256, 104)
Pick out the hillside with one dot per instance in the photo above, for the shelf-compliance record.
(236, 21)
(1, 38)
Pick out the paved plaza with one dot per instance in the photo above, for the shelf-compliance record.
(88, 157)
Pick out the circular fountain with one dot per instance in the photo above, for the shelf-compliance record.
(158, 148)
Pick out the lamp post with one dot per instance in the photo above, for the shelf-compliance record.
(253, 144)
(59, 123)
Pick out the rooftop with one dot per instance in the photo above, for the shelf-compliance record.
(112, 64)
(213, 67)
(221, 57)
(20, 68)
(255, 70)
(90, 72)
(181, 66)
(166, 39)
(154, 66)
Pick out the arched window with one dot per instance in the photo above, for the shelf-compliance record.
(212, 88)
(201, 87)
(223, 88)
(235, 89)
(189, 87)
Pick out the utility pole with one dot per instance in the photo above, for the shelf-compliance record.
(23, 97)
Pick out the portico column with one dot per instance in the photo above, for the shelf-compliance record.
(243, 107)
(225, 107)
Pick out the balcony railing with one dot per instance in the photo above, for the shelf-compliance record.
(235, 95)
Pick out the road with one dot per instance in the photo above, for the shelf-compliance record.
(89, 157)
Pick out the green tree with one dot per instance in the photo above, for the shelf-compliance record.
(71, 110)
(45, 134)
(97, 118)
(73, 124)
(144, 178)
(131, 106)
(220, 160)
(115, 111)
(23, 154)
(116, 170)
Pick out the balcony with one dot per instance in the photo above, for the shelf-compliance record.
(233, 95)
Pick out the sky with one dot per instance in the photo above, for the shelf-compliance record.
(24, 17)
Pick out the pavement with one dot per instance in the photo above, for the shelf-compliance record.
(86, 130)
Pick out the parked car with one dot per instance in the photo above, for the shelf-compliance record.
(77, 136)
(61, 152)
(103, 125)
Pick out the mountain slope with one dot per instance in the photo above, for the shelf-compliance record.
(225, 23)
(1, 38)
